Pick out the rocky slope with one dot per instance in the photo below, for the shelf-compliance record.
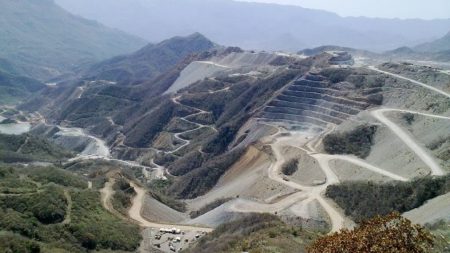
(213, 129)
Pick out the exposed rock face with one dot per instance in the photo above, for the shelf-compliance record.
(314, 102)
(341, 58)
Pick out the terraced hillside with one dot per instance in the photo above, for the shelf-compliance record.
(314, 101)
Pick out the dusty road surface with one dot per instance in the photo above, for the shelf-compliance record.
(106, 194)
(408, 140)
(135, 213)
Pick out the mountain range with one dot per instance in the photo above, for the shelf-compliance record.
(41, 40)
(256, 25)
(109, 143)
(439, 45)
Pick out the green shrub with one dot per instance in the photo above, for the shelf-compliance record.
(122, 198)
(362, 200)
(47, 206)
(16, 244)
(408, 118)
(290, 167)
(357, 142)
(94, 226)
(254, 233)
(57, 176)
(27, 148)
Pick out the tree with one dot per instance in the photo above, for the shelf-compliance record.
(387, 234)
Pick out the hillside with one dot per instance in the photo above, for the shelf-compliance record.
(150, 61)
(247, 25)
(13, 88)
(48, 209)
(44, 46)
(221, 132)
(439, 45)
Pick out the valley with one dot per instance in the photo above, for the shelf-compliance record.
(110, 143)
(301, 114)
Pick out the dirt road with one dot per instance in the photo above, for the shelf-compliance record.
(408, 140)
(135, 213)
(411, 80)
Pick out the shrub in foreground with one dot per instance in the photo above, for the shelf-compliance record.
(388, 234)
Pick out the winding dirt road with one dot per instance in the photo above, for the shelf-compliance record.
(198, 125)
(312, 192)
(135, 213)
(67, 218)
(408, 140)
(411, 80)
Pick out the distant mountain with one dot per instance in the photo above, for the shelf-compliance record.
(44, 40)
(442, 44)
(122, 82)
(9, 67)
(255, 25)
(149, 61)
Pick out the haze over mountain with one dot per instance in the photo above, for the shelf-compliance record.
(255, 25)
(41, 40)
(442, 44)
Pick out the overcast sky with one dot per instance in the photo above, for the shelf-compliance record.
(425, 9)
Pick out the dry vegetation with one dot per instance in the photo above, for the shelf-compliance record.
(389, 234)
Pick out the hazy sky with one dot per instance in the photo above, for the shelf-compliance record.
(425, 9)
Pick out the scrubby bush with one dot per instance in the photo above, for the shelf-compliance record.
(93, 226)
(26, 148)
(169, 201)
(290, 167)
(408, 118)
(187, 163)
(57, 176)
(254, 233)
(16, 244)
(48, 206)
(123, 194)
(201, 180)
(362, 200)
(336, 75)
(357, 142)
(389, 234)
